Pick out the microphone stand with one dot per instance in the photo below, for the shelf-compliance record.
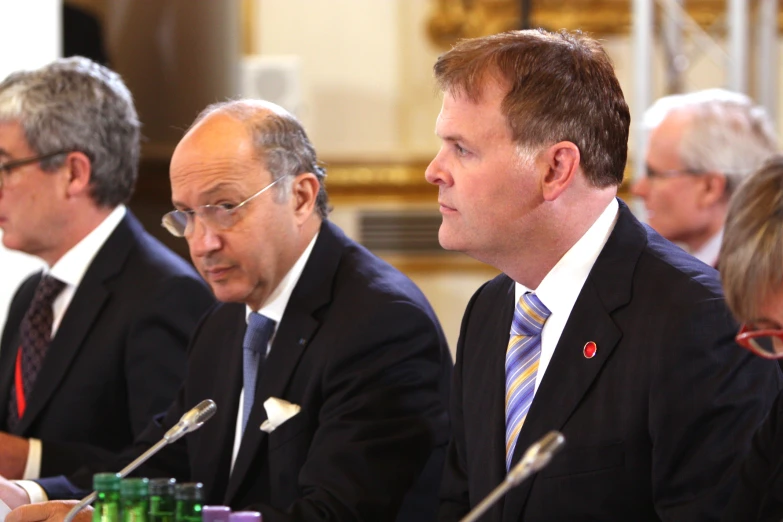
(535, 458)
(191, 421)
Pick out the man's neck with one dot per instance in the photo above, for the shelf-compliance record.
(76, 228)
(528, 266)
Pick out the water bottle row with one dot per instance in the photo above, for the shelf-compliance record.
(157, 500)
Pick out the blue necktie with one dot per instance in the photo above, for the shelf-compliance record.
(259, 330)
(522, 357)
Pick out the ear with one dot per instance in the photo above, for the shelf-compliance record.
(79, 174)
(304, 191)
(562, 161)
(714, 189)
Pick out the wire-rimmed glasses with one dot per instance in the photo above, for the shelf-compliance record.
(180, 222)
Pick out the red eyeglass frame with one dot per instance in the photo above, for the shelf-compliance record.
(745, 335)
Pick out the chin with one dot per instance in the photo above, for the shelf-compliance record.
(448, 241)
(225, 292)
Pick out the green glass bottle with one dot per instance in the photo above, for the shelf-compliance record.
(189, 498)
(134, 499)
(162, 500)
(107, 500)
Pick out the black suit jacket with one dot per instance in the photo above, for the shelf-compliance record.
(118, 356)
(654, 423)
(361, 351)
(759, 494)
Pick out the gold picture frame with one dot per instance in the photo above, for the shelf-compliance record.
(454, 19)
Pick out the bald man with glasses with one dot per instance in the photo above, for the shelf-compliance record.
(312, 325)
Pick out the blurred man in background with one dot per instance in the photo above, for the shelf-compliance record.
(702, 145)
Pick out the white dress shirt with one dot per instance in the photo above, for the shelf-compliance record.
(561, 286)
(273, 308)
(708, 253)
(70, 269)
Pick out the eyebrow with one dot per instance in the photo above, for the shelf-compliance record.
(452, 138)
(207, 193)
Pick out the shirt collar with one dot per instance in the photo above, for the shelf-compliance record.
(72, 266)
(709, 252)
(275, 305)
(561, 286)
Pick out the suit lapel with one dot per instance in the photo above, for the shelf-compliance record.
(570, 375)
(219, 432)
(490, 389)
(298, 326)
(84, 308)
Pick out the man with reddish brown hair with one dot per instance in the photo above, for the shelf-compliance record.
(598, 327)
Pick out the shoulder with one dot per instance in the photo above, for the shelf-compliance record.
(148, 255)
(667, 263)
(363, 277)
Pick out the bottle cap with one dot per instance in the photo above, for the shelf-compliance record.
(162, 486)
(245, 516)
(106, 482)
(134, 487)
(215, 513)
(189, 491)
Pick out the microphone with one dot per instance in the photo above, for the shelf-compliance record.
(192, 420)
(535, 458)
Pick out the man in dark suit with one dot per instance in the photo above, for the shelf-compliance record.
(598, 328)
(95, 345)
(311, 319)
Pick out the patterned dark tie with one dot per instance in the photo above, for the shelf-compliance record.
(36, 333)
(259, 330)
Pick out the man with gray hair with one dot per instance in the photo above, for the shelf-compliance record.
(95, 344)
(702, 145)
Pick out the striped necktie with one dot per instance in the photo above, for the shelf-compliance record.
(522, 357)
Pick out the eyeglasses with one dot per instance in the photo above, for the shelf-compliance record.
(764, 343)
(670, 173)
(180, 222)
(7, 167)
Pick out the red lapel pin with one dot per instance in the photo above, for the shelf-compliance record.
(590, 350)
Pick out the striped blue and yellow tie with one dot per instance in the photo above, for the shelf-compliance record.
(522, 356)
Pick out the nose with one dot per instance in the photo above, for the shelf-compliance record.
(641, 187)
(436, 172)
(202, 240)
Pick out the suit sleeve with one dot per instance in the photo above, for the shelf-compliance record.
(173, 462)
(155, 359)
(383, 413)
(454, 498)
(707, 396)
(758, 491)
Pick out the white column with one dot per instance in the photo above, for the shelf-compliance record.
(737, 70)
(767, 57)
(642, 85)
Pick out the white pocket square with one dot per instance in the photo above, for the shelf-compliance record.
(277, 412)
